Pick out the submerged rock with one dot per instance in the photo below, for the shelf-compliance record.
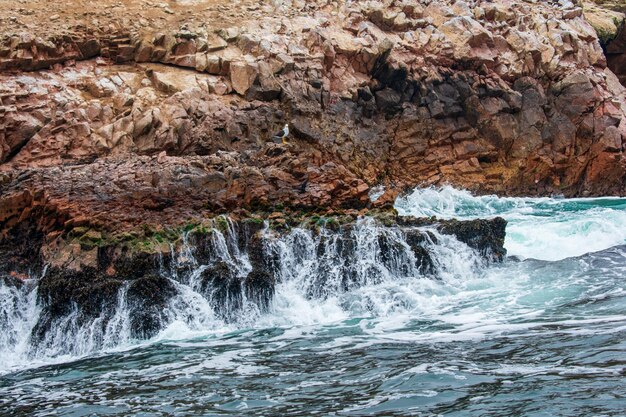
(223, 288)
(485, 237)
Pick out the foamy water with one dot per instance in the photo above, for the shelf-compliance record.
(543, 335)
(540, 228)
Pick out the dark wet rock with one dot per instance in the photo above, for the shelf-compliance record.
(60, 291)
(260, 282)
(260, 258)
(146, 298)
(87, 293)
(418, 240)
(12, 281)
(223, 288)
(388, 101)
(20, 250)
(486, 236)
(302, 129)
(126, 265)
(260, 287)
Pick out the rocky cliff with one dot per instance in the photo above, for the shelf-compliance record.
(116, 118)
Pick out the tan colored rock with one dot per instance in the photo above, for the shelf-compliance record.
(172, 80)
(201, 61)
(103, 87)
(144, 52)
(219, 87)
(215, 43)
(188, 61)
(229, 34)
(214, 65)
(143, 125)
(242, 76)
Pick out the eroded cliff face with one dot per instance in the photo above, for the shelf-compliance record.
(116, 117)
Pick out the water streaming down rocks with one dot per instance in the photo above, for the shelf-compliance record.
(227, 276)
(127, 128)
(472, 337)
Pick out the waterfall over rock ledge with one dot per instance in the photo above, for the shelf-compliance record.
(229, 275)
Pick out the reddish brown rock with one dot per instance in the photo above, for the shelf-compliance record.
(173, 119)
(242, 76)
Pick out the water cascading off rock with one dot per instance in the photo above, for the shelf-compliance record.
(230, 276)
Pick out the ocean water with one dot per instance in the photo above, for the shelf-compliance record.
(542, 334)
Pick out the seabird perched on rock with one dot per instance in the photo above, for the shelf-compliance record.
(282, 135)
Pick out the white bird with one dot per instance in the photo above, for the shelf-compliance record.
(282, 135)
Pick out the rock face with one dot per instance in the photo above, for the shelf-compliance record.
(506, 97)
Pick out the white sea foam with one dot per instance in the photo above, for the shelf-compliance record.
(18, 314)
(540, 228)
(467, 301)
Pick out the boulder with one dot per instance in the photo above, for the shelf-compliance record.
(242, 76)
(388, 100)
(147, 297)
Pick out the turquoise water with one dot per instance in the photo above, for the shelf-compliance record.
(543, 334)
(540, 228)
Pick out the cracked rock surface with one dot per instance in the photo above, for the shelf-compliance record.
(118, 115)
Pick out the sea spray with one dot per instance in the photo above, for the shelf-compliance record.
(322, 276)
(330, 263)
(73, 335)
(462, 337)
(18, 314)
(541, 228)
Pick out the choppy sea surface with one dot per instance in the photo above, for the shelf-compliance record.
(542, 334)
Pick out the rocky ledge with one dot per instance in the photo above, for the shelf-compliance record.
(236, 264)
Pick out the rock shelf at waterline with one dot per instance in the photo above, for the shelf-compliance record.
(108, 294)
